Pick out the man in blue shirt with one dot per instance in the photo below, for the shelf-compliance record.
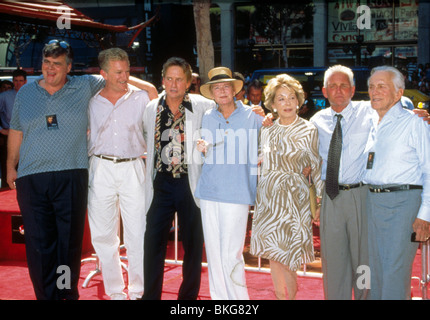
(48, 137)
(7, 98)
(398, 174)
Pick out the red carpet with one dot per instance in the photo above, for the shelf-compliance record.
(15, 283)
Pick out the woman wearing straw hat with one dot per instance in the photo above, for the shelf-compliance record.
(228, 182)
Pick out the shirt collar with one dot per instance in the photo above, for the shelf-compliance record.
(70, 83)
(130, 91)
(394, 112)
(239, 107)
(125, 96)
(186, 102)
(346, 113)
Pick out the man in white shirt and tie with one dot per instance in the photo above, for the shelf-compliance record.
(117, 174)
(398, 175)
(343, 223)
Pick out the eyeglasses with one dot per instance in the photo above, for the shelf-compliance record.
(62, 44)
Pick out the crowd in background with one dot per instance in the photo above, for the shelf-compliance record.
(418, 77)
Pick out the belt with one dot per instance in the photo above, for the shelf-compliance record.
(402, 187)
(114, 159)
(350, 186)
(175, 175)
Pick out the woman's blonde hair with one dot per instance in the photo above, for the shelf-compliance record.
(286, 81)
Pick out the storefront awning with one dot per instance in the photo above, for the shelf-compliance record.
(49, 12)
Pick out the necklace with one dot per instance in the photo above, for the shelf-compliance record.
(289, 124)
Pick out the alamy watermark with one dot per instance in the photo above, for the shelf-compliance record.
(64, 278)
(363, 280)
(363, 20)
(64, 21)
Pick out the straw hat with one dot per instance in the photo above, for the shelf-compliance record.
(217, 75)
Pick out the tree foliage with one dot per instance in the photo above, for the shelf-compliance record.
(277, 22)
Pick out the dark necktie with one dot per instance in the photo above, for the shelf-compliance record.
(333, 160)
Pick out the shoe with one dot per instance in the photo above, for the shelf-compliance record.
(135, 296)
(118, 296)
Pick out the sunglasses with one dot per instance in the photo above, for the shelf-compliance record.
(62, 44)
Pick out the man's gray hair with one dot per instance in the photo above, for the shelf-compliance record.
(396, 76)
(341, 69)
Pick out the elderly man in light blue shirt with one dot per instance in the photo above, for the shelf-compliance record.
(398, 174)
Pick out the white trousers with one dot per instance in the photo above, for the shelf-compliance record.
(116, 191)
(224, 228)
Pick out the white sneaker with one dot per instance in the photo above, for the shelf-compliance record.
(118, 296)
(135, 296)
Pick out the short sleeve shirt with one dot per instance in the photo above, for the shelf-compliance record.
(54, 126)
(7, 99)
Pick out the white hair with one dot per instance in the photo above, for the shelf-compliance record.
(397, 77)
(341, 69)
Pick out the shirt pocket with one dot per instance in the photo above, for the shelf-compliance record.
(356, 144)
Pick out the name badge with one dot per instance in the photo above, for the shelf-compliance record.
(370, 159)
(51, 122)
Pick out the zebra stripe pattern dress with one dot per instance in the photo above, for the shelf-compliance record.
(282, 222)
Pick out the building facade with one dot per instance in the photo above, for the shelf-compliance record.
(250, 35)
(350, 32)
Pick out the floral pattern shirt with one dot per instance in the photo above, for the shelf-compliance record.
(170, 138)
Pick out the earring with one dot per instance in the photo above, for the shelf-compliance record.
(275, 110)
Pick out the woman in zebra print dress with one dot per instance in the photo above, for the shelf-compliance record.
(282, 222)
